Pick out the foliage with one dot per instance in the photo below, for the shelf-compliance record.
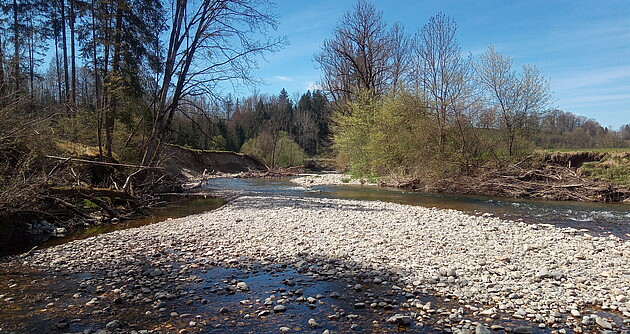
(392, 136)
(279, 151)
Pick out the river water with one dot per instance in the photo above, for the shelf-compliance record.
(597, 218)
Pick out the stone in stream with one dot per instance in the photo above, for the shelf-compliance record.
(279, 308)
(603, 323)
(113, 325)
(312, 323)
(400, 319)
(155, 272)
(481, 329)
(242, 286)
(524, 330)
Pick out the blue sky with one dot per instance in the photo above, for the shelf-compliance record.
(583, 47)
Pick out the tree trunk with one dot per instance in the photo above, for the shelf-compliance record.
(73, 95)
(2, 82)
(113, 100)
(64, 45)
(16, 46)
(97, 105)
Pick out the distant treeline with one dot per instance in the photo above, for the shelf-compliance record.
(565, 130)
(274, 128)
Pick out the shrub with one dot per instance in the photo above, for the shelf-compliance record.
(281, 152)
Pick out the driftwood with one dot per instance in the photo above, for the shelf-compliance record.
(70, 207)
(111, 212)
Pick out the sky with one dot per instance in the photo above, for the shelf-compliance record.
(582, 47)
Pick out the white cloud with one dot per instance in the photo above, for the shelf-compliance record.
(283, 78)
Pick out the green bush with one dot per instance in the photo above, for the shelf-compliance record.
(275, 150)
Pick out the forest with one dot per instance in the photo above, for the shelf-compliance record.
(115, 81)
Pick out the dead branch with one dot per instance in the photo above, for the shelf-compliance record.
(102, 163)
(88, 193)
(111, 212)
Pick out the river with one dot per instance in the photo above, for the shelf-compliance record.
(597, 218)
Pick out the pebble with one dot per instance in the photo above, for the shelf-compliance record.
(279, 308)
(603, 323)
(481, 329)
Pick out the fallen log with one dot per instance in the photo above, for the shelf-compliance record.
(102, 163)
(88, 193)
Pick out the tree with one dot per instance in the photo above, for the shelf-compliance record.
(519, 98)
(443, 75)
(211, 41)
(361, 55)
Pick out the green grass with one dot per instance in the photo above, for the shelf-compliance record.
(614, 168)
(598, 150)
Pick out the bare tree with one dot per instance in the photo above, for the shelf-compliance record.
(211, 41)
(519, 98)
(443, 74)
(360, 55)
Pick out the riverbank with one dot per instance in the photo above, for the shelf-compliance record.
(582, 176)
(552, 279)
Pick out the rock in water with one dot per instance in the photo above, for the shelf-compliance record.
(524, 330)
(481, 329)
(603, 323)
(242, 286)
(113, 325)
(312, 323)
(279, 308)
(400, 319)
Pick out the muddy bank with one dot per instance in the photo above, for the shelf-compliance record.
(190, 164)
(502, 274)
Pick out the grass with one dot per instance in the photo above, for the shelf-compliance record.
(598, 150)
(614, 167)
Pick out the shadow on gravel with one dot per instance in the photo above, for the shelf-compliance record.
(232, 296)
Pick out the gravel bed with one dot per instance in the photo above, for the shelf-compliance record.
(330, 179)
(536, 272)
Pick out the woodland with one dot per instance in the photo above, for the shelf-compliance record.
(91, 93)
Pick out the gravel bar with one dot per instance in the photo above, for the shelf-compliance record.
(535, 272)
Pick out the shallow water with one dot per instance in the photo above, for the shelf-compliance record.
(181, 208)
(597, 218)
